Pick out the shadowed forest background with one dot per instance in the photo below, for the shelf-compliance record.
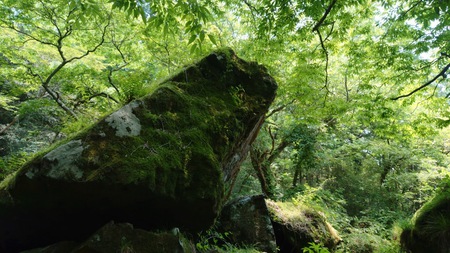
(359, 129)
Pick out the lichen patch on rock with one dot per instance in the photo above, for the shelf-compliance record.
(124, 121)
(62, 162)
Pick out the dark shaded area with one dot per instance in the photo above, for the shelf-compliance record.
(289, 240)
(123, 237)
(73, 214)
(248, 222)
(430, 228)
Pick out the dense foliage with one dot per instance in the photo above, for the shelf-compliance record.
(360, 128)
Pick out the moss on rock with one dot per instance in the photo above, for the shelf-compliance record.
(296, 226)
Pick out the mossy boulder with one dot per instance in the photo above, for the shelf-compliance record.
(165, 160)
(429, 229)
(296, 226)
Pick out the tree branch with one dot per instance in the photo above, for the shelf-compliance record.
(326, 60)
(272, 137)
(9, 125)
(103, 94)
(252, 8)
(278, 109)
(100, 94)
(46, 82)
(12, 27)
(347, 98)
(117, 68)
(442, 73)
(322, 19)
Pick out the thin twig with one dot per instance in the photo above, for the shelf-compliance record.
(9, 125)
(279, 109)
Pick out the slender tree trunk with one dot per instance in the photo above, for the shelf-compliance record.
(263, 173)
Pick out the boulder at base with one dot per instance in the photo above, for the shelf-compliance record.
(296, 226)
(123, 237)
(247, 221)
(165, 160)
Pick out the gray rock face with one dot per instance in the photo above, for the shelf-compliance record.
(165, 160)
(248, 221)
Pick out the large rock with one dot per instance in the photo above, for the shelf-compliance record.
(247, 221)
(165, 160)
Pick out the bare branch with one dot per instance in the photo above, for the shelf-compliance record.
(277, 151)
(272, 137)
(326, 60)
(252, 8)
(59, 46)
(414, 5)
(31, 36)
(117, 45)
(331, 31)
(102, 94)
(111, 71)
(65, 62)
(347, 98)
(31, 72)
(95, 47)
(441, 74)
(322, 19)
(278, 109)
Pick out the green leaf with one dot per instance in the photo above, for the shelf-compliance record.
(212, 39)
(192, 38)
(194, 48)
(202, 36)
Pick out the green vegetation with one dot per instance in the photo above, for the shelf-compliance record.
(359, 130)
(213, 241)
(315, 248)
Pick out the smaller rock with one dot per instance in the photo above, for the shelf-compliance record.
(296, 226)
(247, 220)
